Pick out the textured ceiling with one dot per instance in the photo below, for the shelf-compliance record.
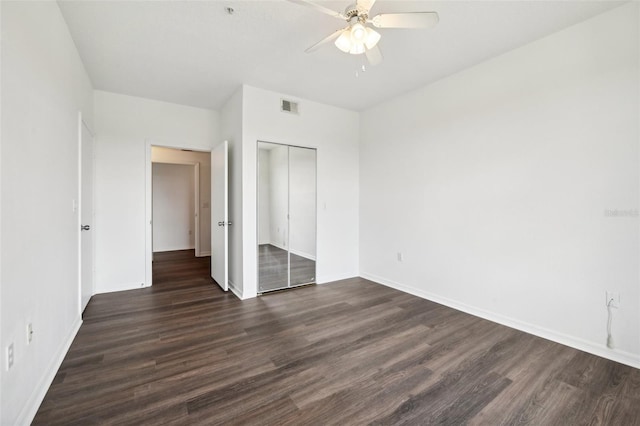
(195, 53)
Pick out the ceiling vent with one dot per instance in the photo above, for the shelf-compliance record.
(288, 106)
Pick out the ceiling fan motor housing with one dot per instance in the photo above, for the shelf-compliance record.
(352, 11)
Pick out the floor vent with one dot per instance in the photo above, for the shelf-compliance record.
(288, 106)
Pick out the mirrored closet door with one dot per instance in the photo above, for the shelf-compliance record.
(286, 216)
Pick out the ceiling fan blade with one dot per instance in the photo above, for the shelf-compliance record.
(406, 20)
(319, 8)
(374, 56)
(325, 41)
(365, 4)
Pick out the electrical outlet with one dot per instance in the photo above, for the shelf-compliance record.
(29, 333)
(400, 257)
(9, 356)
(613, 299)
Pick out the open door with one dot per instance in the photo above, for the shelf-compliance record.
(86, 215)
(220, 215)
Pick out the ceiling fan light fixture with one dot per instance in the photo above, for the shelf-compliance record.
(358, 33)
(357, 48)
(373, 37)
(357, 39)
(344, 41)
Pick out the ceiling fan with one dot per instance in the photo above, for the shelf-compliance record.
(358, 37)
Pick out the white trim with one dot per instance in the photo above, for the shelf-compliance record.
(235, 290)
(28, 413)
(326, 279)
(204, 253)
(564, 339)
(148, 209)
(196, 208)
(281, 247)
(93, 211)
(175, 249)
(302, 254)
(177, 162)
(121, 287)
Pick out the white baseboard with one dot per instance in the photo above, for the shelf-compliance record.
(281, 247)
(564, 339)
(235, 290)
(165, 249)
(205, 253)
(325, 279)
(30, 409)
(303, 254)
(120, 287)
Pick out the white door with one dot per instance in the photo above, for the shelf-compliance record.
(220, 215)
(86, 218)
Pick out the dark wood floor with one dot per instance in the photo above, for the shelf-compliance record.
(351, 352)
(272, 269)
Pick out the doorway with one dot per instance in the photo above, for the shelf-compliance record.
(180, 203)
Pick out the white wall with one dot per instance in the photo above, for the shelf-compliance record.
(173, 207)
(302, 202)
(494, 184)
(279, 196)
(231, 128)
(124, 127)
(44, 85)
(264, 196)
(334, 132)
(176, 156)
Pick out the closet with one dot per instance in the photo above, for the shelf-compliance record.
(286, 216)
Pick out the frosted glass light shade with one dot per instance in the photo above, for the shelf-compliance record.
(344, 41)
(373, 37)
(357, 39)
(358, 33)
(357, 48)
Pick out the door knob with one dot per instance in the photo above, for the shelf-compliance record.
(85, 227)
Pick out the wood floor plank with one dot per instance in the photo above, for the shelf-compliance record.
(349, 352)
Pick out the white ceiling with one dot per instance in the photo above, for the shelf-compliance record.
(194, 53)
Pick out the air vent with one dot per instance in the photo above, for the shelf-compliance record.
(288, 106)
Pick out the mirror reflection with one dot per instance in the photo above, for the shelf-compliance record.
(286, 216)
